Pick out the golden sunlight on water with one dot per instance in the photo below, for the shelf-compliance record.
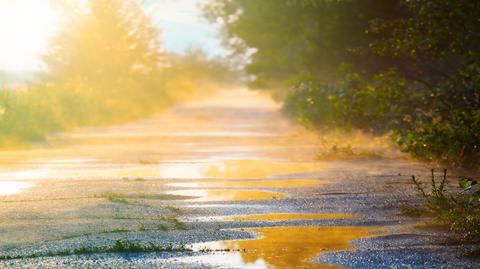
(255, 183)
(9, 188)
(289, 216)
(228, 195)
(285, 247)
(232, 169)
(257, 168)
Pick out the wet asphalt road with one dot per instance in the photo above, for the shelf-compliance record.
(95, 186)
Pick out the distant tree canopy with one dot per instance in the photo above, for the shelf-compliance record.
(110, 40)
(110, 53)
(195, 73)
(408, 68)
(298, 36)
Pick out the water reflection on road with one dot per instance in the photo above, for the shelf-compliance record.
(235, 151)
(10, 188)
(282, 247)
(196, 169)
(227, 195)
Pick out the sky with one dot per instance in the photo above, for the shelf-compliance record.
(182, 25)
(27, 25)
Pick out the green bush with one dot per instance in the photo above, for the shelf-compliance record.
(459, 209)
(441, 128)
(407, 68)
(28, 114)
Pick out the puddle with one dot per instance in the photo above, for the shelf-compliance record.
(282, 247)
(231, 169)
(238, 169)
(235, 169)
(227, 195)
(9, 188)
(257, 184)
(26, 174)
(292, 216)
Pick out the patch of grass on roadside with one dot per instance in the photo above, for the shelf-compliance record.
(118, 230)
(113, 197)
(142, 227)
(172, 221)
(127, 246)
(123, 198)
(174, 210)
(459, 210)
(162, 227)
(338, 152)
(176, 224)
(120, 246)
(159, 196)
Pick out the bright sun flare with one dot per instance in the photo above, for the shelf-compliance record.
(25, 29)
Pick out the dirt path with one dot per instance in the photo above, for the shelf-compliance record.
(220, 183)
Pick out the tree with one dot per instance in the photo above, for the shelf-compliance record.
(109, 57)
(407, 68)
(292, 37)
(440, 41)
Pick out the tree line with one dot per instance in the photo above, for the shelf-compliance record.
(406, 68)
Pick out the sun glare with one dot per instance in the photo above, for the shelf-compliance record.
(25, 29)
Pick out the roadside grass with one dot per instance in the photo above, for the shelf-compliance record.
(168, 223)
(458, 209)
(114, 197)
(118, 230)
(355, 145)
(120, 246)
(173, 223)
(123, 198)
(162, 227)
(142, 227)
(174, 210)
(347, 152)
(177, 224)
